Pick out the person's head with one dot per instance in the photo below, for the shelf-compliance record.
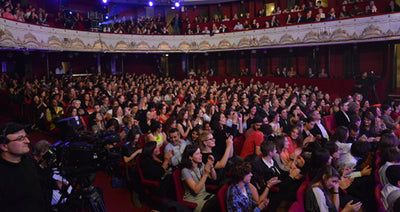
(256, 123)
(393, 175)
(328, 178)
(133, 137)
(150, 150)
(76, 103)
(391, 154)
(333, 149)
(386, 109)
(206, 139)
(155, 126)
(194, 134)
(360, 149)
(309, 123)
(268, 149)
(353, 130)
(112, 124)
(39, 149)
(316, 116)
(344, 106)
(191, 156)
(341, 134)
(280, 143)
(71, 111)
(294, 133)
(173, 136)
(241, 171)
(320, 157)
(388, 140)
(14, 142)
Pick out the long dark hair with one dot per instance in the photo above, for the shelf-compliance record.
(325, 173)
(187, 153)
(319, 159)
(148, 150)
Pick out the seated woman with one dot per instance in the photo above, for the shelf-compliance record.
(53, 112)
(156, 133)
(97, 122)
(207, 143)
(194, 176)
(156, 169)
(242, 195)
(323, 193)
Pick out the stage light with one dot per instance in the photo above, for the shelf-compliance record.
(70, 12)
(105, 1)
(150, 3)
(107, 17)
(177, 4)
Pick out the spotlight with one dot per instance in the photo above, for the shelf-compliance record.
(177, 4)
(70, 12)
(107, 17)
(105, 1)
(150, 3)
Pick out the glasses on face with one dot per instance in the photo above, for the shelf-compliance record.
(21, 138)
(210, 139)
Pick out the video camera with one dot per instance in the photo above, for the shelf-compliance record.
(84, 154)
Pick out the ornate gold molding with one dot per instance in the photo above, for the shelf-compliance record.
(375, 28)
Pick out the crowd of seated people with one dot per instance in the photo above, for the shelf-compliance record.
(306, 13)
(195, 125)
(30, 14)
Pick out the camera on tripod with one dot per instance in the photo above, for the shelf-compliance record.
(77, 159)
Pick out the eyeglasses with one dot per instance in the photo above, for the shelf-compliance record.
(210, 139)
(21, 138)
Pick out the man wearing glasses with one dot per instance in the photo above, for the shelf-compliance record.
(19, 181)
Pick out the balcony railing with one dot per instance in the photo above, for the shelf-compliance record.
(17, 35)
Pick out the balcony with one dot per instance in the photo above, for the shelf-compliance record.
(16, 35)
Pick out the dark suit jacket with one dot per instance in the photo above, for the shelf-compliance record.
(261, 174)
(316, 131)
(285, 123)
(341, 119)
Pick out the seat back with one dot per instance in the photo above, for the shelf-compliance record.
(378, 199)
(180, 190)
(238, 144)
(144, 181)
(222, 197)
(296, 207)
(301, 192)
(142, 140)
(330, 123)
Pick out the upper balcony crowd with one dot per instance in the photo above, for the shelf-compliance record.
(305, 13)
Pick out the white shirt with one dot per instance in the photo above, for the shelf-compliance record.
(323, 130)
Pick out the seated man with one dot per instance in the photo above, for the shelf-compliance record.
(20, 187)
(266, 168)
(253, 141)
(176, 145)
(393, 176)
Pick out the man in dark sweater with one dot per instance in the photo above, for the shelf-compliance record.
(20, 188)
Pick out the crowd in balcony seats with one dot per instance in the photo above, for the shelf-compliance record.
(13, 11)
(305, 13)
(269, 141)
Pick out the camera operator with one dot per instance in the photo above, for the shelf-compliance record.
(46, 175)
(19, 179)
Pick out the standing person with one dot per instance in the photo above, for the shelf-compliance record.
(20, 188)
(176, 24)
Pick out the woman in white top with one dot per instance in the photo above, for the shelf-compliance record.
(323, 193)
